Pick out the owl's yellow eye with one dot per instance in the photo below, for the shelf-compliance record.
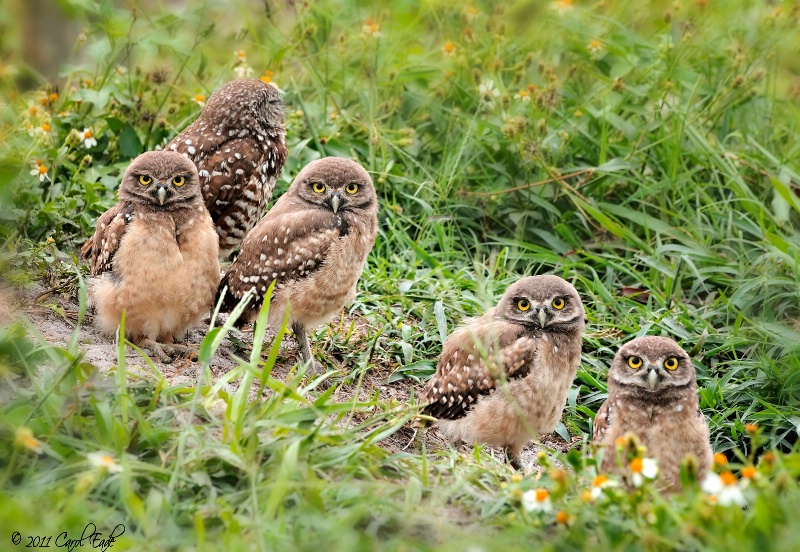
(523, 304)
(318, 187)
(144, 180)
(351, 188)
(559, 303)
(635, 362)
(671, 363)
(179, 181)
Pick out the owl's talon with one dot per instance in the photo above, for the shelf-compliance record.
(304, 351)
(167, 352)
(516, 463)
(418, 438)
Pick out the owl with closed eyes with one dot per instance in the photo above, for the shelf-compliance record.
(312, 244)
(503, 378)
(652, 393)
(238, 144)
(153, 256)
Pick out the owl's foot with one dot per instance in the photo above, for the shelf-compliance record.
(514, 458)
(304, 351)
(418, 438)
(167, 352)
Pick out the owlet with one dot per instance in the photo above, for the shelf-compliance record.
(504, 377)
(154, 255)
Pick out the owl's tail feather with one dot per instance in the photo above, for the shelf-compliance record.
(224, 293)
(86, 248)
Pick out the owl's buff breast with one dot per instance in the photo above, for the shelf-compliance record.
(522, 408)
(315, 300)
(164, 276)
(684, 433)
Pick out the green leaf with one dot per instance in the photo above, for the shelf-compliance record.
(129, 144)
(207, 346)
(785, 193)
(98, 98)
(114, 124)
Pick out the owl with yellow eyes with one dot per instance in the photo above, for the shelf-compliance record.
(312, 245)
(652, 393)
(153, 256)
(503, 378)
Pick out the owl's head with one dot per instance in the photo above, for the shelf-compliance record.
(244, 104)
(163, 178)
(652, 363)
(546, 303)
(337, 184)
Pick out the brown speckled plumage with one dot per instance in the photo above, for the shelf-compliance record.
(238, 145)
(312, 244)
(658, 405)
(154, 255)
(504, 377)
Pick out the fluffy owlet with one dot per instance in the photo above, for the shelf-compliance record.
(154, 255)
(504, 377)
(652, 393)
(238, 144)
(313, 244)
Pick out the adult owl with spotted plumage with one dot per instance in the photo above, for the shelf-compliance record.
(313, 244)
(238, 144)
(504, 377)
(652, 393)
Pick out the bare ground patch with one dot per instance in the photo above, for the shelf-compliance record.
(55, 315)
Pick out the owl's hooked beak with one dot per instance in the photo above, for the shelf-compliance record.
(162, 194)
(542, 317)
(652, 377)
(335, 202)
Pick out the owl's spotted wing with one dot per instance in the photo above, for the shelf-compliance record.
(280, 249)
(602, 421)
(102, 246)
(474, 360)
(88, 247)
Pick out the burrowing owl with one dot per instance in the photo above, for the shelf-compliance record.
(313, 243)
(504, 377)
(652, 393)
(238, 144)
(154, 255)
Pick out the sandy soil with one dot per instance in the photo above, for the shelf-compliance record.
(54, 316)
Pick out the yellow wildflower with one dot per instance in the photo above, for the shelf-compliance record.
(24, 438)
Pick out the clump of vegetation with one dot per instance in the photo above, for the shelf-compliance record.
(647, 155)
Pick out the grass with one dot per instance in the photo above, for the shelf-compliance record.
(647, 153)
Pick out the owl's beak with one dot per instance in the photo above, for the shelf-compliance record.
(162, 194)
(542, 317)
(335, 202)
(652, 377)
